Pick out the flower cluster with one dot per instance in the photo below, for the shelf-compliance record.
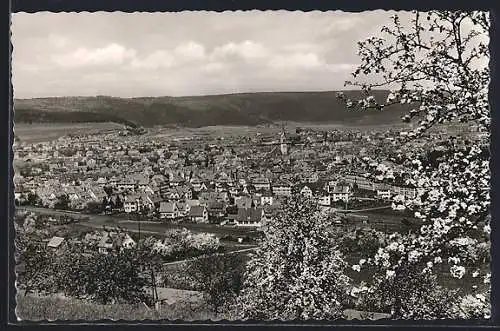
(442, 72)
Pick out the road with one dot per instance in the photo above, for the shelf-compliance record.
(383, 222)
(362, 210)
(100, 221)
(215, 254)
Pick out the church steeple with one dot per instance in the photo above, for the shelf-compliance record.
(283, 143)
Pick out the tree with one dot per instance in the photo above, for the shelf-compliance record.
(219, 277)
(35, 275)
(94, 207)
(118, 202)
(436, 63)
(108, 190)
(62, 202)
(105, 278)
(33, 199)
(298, 270)
(409, 294)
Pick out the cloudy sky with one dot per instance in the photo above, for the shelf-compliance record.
(187, 53)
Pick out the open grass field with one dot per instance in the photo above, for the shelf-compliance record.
(60, 308)
(41, 132)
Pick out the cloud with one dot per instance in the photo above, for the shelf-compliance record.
(113, 54)
(245, 50)
(157, 59)
(185, 53)
(340, 67)
(213, 67)
(190, 51)
(58, 41)
(296, 60)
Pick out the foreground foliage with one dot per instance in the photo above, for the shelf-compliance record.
(298, 271)
(438, 63)
(36, 308)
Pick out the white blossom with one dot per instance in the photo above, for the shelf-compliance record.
(457, 271)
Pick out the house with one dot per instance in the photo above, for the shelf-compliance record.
(148, 202)
(101, 181)
(126, 184)
(198, 214)
(313, 177)
(249, 189)
(185, 192)
(243, 201)
(306, 191)
(383, 194)
(216, 209)
(266, 198)
(197, 184)
(113, 181)
(193, 202)
(177, 193)
(172, 194)
(114, 240)
(359, 181)
(158, 180)
(282, 189)
(97, 193)
(269, 212)
(261, 183)
(132, 204)
(169, 210)
(341, 192)
(141, 180)
(205, 197)
(250, 217)
(407, 192)
(175, 179)
(55, 242)
(221, 187)
(324, 199)
(233, 190)
(184, 209)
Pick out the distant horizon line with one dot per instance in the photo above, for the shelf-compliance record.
(191, 95)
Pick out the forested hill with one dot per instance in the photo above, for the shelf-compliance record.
(196, 111)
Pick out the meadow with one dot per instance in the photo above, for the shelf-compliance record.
(59, 308)
(41, 132)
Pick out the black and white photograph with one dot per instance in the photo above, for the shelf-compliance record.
(251, 166)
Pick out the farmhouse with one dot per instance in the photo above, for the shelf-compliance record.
(114, 240)
(198, 214)
(169, 210)
(251, 217)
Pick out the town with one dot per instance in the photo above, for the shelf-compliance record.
(225, 181)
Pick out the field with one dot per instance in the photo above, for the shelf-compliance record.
(59, 307)
(41, 132)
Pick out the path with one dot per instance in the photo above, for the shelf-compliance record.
(361, 210)
(215, 254)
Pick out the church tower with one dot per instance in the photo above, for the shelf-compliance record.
(283, 146)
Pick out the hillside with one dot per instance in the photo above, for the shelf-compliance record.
(196, 111)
